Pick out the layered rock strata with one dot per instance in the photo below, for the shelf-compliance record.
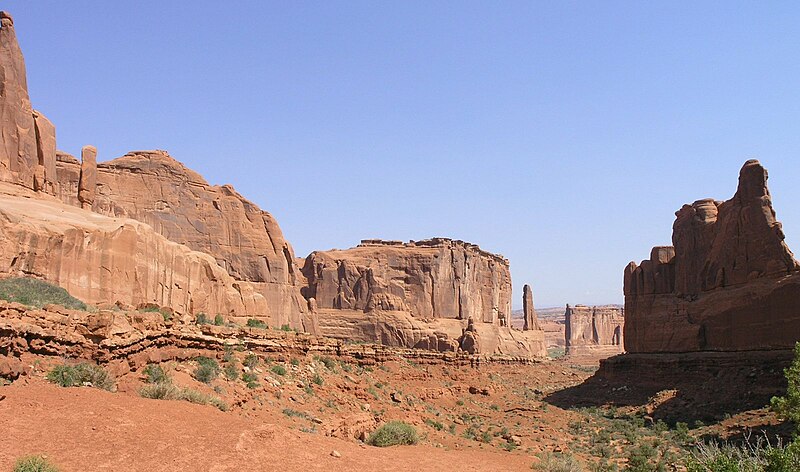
(594, 331)
(728, 283)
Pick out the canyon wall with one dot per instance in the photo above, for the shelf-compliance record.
(728, 283)
(594, 331)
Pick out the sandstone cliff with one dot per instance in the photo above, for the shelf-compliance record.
(152, 187)
(416, 294)
(103, 260)
(728, 283)
(594, 331)
(27, 151)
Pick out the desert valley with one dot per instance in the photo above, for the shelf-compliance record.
(152, 321)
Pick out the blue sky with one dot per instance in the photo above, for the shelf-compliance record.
(563, 135)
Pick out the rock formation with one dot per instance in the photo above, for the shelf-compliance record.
(419, 293)
(27, 136)
(531, 321)
(87, 185)
(728, 283)
(104, 260)
(594, 331)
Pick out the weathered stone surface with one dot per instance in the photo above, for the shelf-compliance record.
(417, 294)
(18, 153)
(152, 187)
(531, 321)
(729, 283)
(46, 153)
(594, 331)
(87, 185)
(435, 278)
(99, 259)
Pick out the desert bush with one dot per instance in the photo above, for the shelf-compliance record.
(286, 327)
(37, 293)
(251, 361)
(167, 391)
(251, 379)
(749, 457)
(231, 371)
(278, 370)
(219, 320)
(318, 379)
(254, 323)
(294, 413)
(434, 424)
(329, 363)
(394, 433)
(81, 374)
(208, 369)
(555, 462)
(201, 319)
(156, 374)
(34, 464)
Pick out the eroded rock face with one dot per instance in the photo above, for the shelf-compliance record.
(417, 294)
(435, 278)
(152, 187)
(20, 152)
(87, 185)
(103, 260)
(594, 331)
(729, 282)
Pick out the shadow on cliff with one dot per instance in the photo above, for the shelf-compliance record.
(682, 387)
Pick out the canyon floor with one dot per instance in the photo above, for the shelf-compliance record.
(296, 411)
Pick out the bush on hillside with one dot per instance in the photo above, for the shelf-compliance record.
(81, 374)
(394, 433)
(37, 293)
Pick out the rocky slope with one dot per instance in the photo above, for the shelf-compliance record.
(594, 331)
(728, 283)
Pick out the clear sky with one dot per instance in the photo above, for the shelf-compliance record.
(563, 135)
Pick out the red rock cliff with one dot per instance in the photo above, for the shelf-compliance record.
(594, 331)
(729, 283)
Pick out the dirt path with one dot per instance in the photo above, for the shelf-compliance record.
(85, 429)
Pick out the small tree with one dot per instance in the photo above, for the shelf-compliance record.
(788, 406)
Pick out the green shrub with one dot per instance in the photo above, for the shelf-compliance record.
(394, 433)
(201, 319)
(294, 413)
(278, 370)
(208, 369)
(295, 362)
(231, 371)
(556, 462)
(434, 424)
(254, 323)
(251, 379)
(788, 406)
(219, 320)
(37, 293)
(329, 363)
(156, 374)
(317, 379)
(251, 361)
(167, 391)
(34, 464)
(81, 374)
(286, 328)
(750, 457)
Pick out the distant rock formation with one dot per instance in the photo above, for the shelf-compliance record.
(594, 331)
(728, 283)
(419, 293)
(530, 321)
